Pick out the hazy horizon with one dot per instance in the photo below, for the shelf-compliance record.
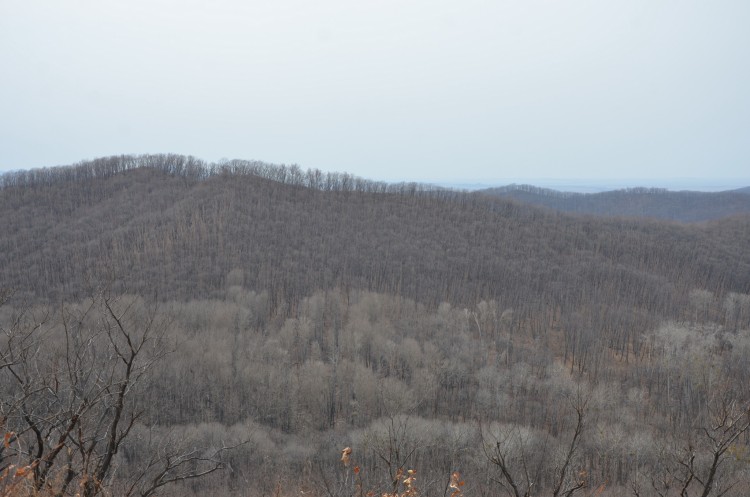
(562, 184)
(584, 185)
(439, 90)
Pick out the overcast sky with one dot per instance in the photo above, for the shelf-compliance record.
(435, 90)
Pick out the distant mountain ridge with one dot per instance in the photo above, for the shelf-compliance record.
(640, 202)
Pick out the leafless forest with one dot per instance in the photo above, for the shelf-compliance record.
(174, 327)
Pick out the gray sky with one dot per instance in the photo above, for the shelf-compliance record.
(434, 90)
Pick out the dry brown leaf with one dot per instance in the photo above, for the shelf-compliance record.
(7, 437)
(345, 455)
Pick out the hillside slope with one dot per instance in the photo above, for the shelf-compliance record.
(684, 206)
(152, 229)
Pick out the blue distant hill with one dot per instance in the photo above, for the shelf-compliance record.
(655, 203)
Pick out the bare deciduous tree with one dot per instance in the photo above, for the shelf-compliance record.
(69, 396)
(521, 456)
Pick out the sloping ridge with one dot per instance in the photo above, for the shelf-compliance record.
(150, 230)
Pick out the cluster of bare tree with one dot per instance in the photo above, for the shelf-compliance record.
(190, 168)
(481, 390)
(71, 383)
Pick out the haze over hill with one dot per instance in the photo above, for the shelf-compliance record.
(589, 185)
(656, 203)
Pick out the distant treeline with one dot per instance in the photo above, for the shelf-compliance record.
(196, 169)
(641, 202)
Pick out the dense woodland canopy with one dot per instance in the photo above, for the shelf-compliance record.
(286, 314)
(177, 227)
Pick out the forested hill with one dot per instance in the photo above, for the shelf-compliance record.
(176, 227)
(655, 203)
